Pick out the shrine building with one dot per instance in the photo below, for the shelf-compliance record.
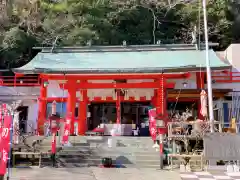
(115, 84)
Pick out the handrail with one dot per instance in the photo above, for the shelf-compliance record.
(226, 76)
(26, 80)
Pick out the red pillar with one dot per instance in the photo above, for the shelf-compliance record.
(154, 99)
(71, 103)
(82, 113)
(200, 76)
(161, 113)
(118, 106)
(161, 107)
(42, 108)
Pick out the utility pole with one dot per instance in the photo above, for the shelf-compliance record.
(209, 76)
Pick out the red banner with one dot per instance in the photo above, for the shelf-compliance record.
(152, 123)
(66, 132)
(1, 125)
(54, 148)
(5, 143)
(1, 116)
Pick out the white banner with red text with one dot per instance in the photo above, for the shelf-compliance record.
(152, 123)
(66, 131)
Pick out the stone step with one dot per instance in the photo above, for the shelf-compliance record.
(82, 152)
(85, 139)
(77, 165)
(89, 151)
(134, 157)
(116, 151)
(120, 161)
(105, 147)
(100, 152)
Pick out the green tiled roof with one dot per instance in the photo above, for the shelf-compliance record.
(114, 62)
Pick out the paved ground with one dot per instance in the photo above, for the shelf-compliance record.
(210, 176)
(92, 174)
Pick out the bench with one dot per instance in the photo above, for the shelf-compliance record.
(29, 154)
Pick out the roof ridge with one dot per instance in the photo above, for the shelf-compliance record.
(161, 47)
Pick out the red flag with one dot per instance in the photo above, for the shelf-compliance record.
(54, 148)
(5, 143)
(152, 123)
(66, 131)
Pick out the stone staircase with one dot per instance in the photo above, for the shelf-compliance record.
(125, 152)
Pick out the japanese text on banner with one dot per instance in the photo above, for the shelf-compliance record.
(5, 143)
(152, 123)
(66, 132)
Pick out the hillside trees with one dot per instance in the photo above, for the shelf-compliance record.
(27, 23)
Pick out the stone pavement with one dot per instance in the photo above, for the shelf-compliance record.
(220, 175)
(92, 173)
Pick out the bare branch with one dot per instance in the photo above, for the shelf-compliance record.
(171, 6)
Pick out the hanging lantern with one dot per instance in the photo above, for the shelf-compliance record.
(185, 84)
(45, 83)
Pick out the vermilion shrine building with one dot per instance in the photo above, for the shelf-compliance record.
(104, 83)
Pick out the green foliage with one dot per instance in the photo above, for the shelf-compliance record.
(109, 22)
(16, 47)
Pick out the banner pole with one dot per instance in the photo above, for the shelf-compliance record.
(10, 145)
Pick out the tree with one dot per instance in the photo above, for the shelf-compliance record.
(110, 22)
(16, 48)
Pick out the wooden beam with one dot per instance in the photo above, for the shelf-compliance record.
(171, 98)
(150, 85)
(217, 95)
(114, 76)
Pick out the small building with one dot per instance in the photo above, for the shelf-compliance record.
(116, 84)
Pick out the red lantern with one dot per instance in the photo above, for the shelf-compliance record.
(54, 123)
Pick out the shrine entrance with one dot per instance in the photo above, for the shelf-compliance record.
(135, 113)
